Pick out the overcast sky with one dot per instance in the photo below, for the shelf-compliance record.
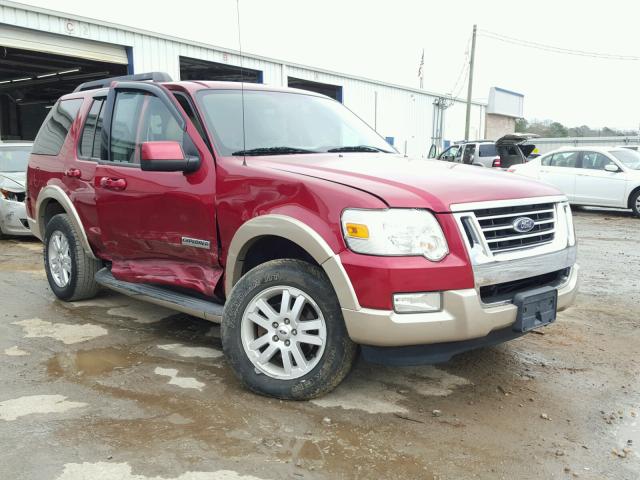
(384, 39)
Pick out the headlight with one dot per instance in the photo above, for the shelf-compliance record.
(571, 232)
(396, 231)
(13, 196)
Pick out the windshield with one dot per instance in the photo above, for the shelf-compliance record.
(629, 158)
(14, 159)
(279, 123)
(488, 150)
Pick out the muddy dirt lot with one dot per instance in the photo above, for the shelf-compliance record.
(115, 389)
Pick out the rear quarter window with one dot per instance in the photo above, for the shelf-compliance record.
(55, 128)
(488, 150)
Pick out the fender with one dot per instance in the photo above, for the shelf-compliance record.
(53, 192)
(302, 235)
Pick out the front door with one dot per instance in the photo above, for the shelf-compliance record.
(596, 186)
(156, 227)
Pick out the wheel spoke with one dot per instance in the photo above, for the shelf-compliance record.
(310, 325)
(310, 339)
(297, 308)
(260, 341)
(266, 309)
(258, 320)
(299, 357)
(286, 361)
(284, 304)
(268, 353)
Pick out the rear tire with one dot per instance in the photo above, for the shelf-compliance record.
(70, 271)
(286, 313)
(635, 203)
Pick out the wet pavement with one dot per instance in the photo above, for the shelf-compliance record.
(112, 388)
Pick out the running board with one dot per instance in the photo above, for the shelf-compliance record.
(163, 297)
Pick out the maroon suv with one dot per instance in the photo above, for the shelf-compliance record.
(282, 215)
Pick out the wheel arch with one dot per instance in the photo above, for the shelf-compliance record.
(631, 195)
(51, 201)
(297, 233)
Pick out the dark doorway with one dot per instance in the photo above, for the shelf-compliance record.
(31, 82)
(333, 91)
(194, 69)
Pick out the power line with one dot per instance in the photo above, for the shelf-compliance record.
(555, 49)
(463, 71)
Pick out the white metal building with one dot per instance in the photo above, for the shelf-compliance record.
(44, 53)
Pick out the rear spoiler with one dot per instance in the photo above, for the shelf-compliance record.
(138, 77)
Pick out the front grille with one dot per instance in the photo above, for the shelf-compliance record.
(497, 226)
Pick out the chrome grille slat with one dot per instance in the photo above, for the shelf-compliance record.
(496, 225)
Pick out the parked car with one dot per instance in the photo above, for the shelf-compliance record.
(600, 176)
(14, 157)
(506, 151)
(303, 233)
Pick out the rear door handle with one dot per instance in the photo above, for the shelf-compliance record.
(73, 173)
(113, 183)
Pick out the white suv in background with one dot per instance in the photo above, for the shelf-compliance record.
(599, 176)
(506, 151)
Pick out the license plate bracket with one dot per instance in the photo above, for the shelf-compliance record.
(536, 308)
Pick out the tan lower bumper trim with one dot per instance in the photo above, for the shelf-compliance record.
(463, 317)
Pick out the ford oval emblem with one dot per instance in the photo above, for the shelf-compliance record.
(523, 224)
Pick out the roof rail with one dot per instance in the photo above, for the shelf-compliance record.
(138, 77)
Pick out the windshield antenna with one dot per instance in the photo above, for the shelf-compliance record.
(244, 134)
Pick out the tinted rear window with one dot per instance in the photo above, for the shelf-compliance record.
(488, 150)
(56, 126)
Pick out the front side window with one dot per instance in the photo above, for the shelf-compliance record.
(139, 117)
(55, 127)
(14, 158)
(629, 158)
(594, 161)
(282, 122)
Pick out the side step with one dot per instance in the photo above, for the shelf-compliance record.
(163, 297)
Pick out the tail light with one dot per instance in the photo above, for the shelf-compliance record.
(496, 162)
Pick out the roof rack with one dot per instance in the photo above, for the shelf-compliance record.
(138, 77)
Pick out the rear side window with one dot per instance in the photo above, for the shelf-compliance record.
(90, 141)
(564, 159)
(488, 150)
(56, 126)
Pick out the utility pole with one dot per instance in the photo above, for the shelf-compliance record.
(470, 89)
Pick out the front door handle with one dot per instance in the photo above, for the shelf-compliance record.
(113, 183)
(73, 173)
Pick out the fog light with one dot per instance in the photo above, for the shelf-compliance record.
(417, 302)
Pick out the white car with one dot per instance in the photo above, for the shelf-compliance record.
(599, 176)
(14, 158)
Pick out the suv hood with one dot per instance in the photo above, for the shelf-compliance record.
(13, 181)
(410, 183)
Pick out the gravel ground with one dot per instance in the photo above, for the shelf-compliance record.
(115, 389)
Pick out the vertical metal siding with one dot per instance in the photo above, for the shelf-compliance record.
(405, 114)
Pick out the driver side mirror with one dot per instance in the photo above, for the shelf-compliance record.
(611, 167)
(166, 157)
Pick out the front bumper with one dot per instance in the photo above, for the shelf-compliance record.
(463, 317)
(13, 218)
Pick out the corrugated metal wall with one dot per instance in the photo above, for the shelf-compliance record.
(399, 112)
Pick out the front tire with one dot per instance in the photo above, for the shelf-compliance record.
(635, 203)
(283, 331)
(70, 271)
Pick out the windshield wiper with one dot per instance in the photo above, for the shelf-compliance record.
(272, 151)
(357, 148)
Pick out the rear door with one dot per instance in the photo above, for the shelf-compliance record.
(157, 227)
(596, 186)
(560, 170)
(468, 156)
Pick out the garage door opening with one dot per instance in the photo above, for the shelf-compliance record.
(31, 82)
(195, 69)
(333, 91)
